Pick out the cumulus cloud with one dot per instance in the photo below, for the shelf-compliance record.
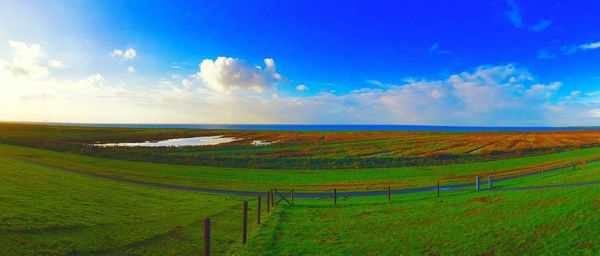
(95, 79)
(56, 64)
(26, 61)
(301, 87)
(116, 53)
(130, 70)
(226, 74)
(187, 84)
(485, 95)
(498, 95)
(128, 54)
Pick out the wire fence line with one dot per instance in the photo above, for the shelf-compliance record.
(275, 197)
(498, 176)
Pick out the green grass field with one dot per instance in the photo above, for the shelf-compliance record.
(47, 209)
(554, 221)
(300, 180)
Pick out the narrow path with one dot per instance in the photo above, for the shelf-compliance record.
(317, 194)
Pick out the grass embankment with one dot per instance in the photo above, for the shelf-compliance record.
(45, 211)
(557, 221)
(300, 180)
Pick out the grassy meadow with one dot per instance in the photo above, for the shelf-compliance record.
(47, 208)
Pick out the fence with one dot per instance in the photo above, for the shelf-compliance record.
(275, 197)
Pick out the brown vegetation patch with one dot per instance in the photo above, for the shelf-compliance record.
(544, 202)
(487, 253)
(472, 212)
(587, 245)
(485, 199)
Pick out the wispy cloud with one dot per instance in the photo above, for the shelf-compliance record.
(514, 14)
(435, 49)
(574, 48)
(544, 54)
(590, 46)
(540, 26)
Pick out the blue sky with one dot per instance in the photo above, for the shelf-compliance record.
(422, 62)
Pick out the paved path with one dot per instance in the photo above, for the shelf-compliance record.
(317, 194)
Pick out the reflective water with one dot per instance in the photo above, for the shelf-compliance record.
(194, 141)
(262, 142)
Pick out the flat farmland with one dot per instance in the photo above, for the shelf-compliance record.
(302, 149)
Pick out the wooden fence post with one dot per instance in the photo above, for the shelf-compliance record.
(206, 251)
(245, 222)
(491, 181)
(389, 195)
(292, 197)
(438, 189)
(268, 201)
(478, 183)
(334, 196)
(258, 211)
(273, 198)
(520, 178)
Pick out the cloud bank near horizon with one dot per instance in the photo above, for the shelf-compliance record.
(231, 90)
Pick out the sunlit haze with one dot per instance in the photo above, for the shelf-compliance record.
(483, 63)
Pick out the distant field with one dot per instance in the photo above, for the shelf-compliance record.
(303, 149)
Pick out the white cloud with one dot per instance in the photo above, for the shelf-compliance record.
(26, 61)
(541, 26)
(574, 48)
(544, 91)
(514, 14)
(590, 46)
(56, 64)
(486, 95)
(229, 74)
(129, 54)
(187, 84)
(301, 87)
(116, 53)
(95, 79)
(130, 70)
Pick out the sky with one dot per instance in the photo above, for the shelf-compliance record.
(465, 63)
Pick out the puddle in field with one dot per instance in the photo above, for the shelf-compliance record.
(194, 141)
(262, 142)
